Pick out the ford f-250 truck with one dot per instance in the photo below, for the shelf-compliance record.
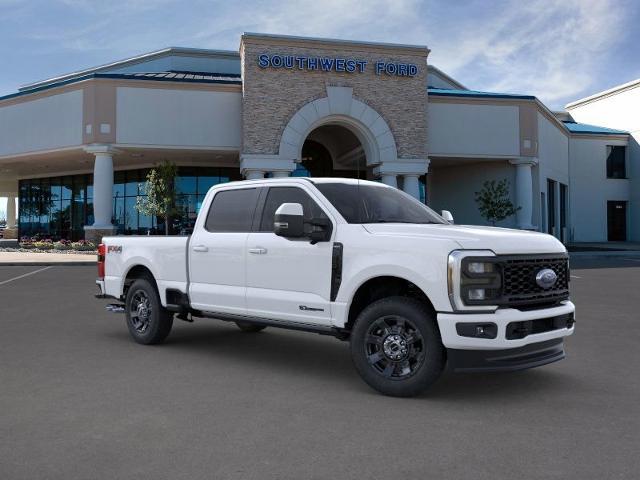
(361, 261)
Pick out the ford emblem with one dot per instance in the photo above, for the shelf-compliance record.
(546, 278)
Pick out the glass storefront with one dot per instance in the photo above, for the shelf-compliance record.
(59, 207)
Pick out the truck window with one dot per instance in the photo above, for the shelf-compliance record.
(279, 195)
(376, 204)
(232, 211)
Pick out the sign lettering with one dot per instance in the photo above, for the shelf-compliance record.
(337, 64)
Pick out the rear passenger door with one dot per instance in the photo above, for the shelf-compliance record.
(217, 252)
(288, 279)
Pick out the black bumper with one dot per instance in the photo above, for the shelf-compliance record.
(511, 359)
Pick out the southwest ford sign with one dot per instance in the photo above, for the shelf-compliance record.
(331, 64)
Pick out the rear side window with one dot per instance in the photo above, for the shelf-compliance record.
(279, 195)
(232, 211)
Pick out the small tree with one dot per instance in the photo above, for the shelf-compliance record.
(160, 199)
(493, 201)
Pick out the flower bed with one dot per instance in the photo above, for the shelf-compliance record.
(40, 245)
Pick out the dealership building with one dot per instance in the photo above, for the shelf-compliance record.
(75, 149)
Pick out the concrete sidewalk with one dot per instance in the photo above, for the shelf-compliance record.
(33, 258)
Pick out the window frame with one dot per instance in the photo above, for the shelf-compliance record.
(227, 190)
(257, 224)
(625, 172)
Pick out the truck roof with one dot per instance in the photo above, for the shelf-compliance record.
(347, 181)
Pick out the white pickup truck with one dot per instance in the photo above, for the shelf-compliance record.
(358, 260)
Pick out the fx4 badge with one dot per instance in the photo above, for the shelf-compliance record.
(114, 249)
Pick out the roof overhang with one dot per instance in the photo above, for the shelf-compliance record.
(145, 57)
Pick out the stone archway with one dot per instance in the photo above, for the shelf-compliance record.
(340, 108)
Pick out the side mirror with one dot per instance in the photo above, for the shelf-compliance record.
(320, 230)
(288, 221)
(446, 214)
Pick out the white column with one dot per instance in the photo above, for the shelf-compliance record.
(102, 191)
(253, 166)
(11, 212)
(524, 191)
(411, 185)
(390, 179)
(253, 174)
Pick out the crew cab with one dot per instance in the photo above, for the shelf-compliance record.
(361, 261)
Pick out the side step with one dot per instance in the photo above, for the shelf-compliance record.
(115, 308)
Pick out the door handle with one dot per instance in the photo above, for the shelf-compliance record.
(258, 251)
(200, 248)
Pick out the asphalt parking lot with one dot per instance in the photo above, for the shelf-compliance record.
(80, 400)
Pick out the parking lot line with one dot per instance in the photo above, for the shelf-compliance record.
(25, 275)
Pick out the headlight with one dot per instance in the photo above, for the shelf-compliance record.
(475, 280)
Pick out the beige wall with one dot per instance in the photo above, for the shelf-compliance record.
(272, 96)
(460, 129)
(185, 117)
(49, 122)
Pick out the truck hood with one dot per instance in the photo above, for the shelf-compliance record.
(499, 240)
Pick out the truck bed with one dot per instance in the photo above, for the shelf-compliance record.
(165, 257)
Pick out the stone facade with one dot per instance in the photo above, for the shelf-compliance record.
(272, 96)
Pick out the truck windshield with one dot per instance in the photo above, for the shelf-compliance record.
(367, 203)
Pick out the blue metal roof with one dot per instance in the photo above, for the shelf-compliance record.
(444, 92)
(575, 127)
(173, 76)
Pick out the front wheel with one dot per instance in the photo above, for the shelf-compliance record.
(396, 346)
(148, 321)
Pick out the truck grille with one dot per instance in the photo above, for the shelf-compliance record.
(519, 287)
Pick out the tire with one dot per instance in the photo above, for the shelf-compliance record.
(249, 327)
(396, 346)
(148, 321)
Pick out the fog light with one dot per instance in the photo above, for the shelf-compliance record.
(477, 330)
(476, 294)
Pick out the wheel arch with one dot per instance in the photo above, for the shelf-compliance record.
(136, 271)
(382, 286)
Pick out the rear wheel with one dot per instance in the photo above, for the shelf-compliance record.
(148, 321)
(250, 327)
(396, 346)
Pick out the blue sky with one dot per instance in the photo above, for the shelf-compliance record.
(558, 50)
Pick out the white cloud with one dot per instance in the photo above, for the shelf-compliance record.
(554, 49)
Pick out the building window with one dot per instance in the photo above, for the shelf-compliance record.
(551, 207)
(616, 161)
(60, 207)
(564, 205)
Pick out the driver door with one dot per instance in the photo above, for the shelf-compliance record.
(288, 279)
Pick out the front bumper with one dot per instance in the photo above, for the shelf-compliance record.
(511, 359)
(502, 317)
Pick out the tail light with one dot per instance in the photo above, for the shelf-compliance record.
(101, 257)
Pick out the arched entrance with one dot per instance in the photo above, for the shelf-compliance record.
(333, 150)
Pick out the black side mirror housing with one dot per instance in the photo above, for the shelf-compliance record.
(320, 230)
(288, 221)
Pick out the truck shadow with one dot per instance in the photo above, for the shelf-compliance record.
(305, 355)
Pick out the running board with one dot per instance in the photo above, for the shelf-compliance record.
(267, 322)
(115, 308)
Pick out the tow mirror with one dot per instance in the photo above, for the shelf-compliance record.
(320, 230)
(446, 214)
(288, 221)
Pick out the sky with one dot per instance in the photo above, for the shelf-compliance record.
(558, 50)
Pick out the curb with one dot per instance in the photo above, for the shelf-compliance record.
(47, 264)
